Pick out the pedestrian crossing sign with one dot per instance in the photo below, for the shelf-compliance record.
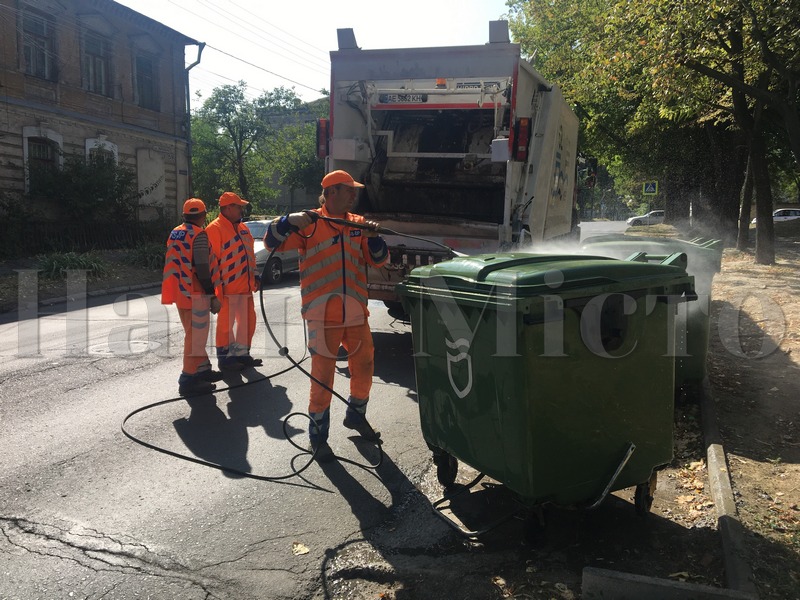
(650, 188)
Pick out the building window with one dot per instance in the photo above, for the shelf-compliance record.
(97, 63)
(38, 46)
(42, 150)
(99, 148)
(43, 157)
(146, 73)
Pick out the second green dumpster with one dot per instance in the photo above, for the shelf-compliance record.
(704, 258)
(553, 375)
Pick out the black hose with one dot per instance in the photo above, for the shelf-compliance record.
(384, 230)
(283, 351)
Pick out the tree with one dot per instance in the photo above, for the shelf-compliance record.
(233, 138)
(728, 66)
(94, 189)
(295, 153)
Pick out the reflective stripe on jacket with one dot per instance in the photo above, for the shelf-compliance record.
(179, 280)
(233, 245)
(333, 269)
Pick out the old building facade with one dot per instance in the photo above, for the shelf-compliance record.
(85, 76)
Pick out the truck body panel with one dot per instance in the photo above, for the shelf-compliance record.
(467, 146)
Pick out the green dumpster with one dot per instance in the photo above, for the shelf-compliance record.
(704, 257)
(553, 375)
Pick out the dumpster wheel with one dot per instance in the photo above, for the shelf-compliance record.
(643, 496)
(446, 468)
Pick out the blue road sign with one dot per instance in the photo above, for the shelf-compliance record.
(650, 188)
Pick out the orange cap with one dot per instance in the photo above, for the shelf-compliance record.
(230, 198)
(194, 206)
(340, 178)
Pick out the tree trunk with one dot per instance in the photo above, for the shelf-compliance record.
(675, 189)
(743, 239)
(750, 124)
(728, 165)
(765, 232)
(244, 189)
(791, 121)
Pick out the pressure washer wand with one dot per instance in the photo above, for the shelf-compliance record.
(384, 230)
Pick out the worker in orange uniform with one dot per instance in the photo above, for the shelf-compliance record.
(232, 241)
(333, 288)
(190, 275)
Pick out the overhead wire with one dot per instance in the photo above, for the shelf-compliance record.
(247, 62)
(258, 17)
(320, 65)
(73, 26)
(262, 68)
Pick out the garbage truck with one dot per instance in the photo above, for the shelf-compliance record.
(466, 146)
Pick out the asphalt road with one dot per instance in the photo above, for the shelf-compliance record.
(87, 511)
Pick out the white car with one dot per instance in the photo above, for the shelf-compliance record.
(280, 263)
(652, 218)
(784, 214)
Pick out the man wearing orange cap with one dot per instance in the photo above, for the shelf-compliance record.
(232, 241)
(191, 273)
(333, 288)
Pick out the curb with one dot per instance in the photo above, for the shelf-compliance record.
(603, 584)
(96, 293)
(738, 575)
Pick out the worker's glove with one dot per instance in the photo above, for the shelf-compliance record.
(299, 220)
(216, 305)
(371, 228)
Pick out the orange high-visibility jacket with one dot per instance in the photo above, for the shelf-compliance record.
(179, 281)
(333, 269)
(233, 245)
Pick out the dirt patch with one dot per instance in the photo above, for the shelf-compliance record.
(754, 368)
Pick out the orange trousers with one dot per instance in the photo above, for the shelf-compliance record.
(195, 327)
(323, 342)
(236, 322)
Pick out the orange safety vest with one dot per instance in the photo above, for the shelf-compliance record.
(233, 244)
(179, 281)
(333, 270)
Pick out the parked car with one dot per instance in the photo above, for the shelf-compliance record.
(280, 263)
(652, 218)
(784, 214)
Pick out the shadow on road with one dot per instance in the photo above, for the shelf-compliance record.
(394, 361)
(224, 440)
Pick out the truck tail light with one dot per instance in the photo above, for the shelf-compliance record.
(522, 137)
(323, 134)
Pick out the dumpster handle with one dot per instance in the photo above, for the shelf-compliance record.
(621, 466)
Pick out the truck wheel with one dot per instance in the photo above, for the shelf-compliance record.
(274, 271)
(395, 308)
(446, 468)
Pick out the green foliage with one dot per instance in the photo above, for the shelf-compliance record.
(297, 162)
(656, 86)
(148, 256)
(55, 265)
(248, 145)
(15, 212)
(94, 188)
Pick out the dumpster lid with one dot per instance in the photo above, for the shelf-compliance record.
(704, 253)
(531, 274)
